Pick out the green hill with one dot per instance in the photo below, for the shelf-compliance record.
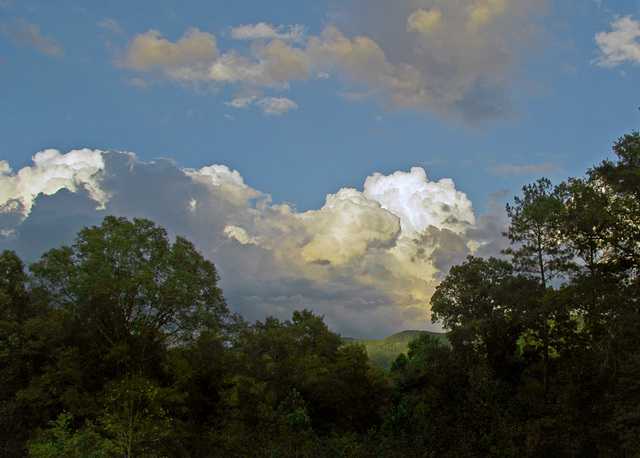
(383, 352)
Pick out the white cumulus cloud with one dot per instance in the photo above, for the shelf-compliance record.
(420, 203)
(52, 171)
(368, 260)
(621, 44)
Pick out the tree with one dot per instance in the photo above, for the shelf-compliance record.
(407, 369)
(115, 306)
(129, 287)
(585, 222)
(133, 414)
(620, 182)
(60, 440)
(624, 175)
(341, 390)
(486, 306)
(535, 229)
(18, 359)
(537, 248)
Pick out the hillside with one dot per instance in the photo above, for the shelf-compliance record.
(383, 352)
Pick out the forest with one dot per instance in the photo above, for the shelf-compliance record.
(122, 344)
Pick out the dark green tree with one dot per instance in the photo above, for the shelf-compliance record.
(124, 305)
(19, 353)
(407, 369)
(623, 175)
(335, 386)
(485, 305)
(535, 233)
(620, 182)
(124, 283)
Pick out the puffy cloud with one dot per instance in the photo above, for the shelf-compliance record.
(621, 44)
(454, 58)
(424, 22)
(420, 203)
(21, 31)
(347, 226)
(399, 236)
(195, 58)
(274, 64)
(51, 172)
(481, 13)
(368, 260)
(510, 169)
(194, 50)
(364, 61)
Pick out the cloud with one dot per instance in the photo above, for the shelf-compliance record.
(368, 260)
(23, 32)
(193, 52)
(111, 25)
(263, 31)
(420, 203)
(195, 59)
(621, 44)
(276, 105)
(242, 102)
(362, 59)
(454, 58)
(269, 105)
(346, 227)
(510, 169)
(51, 172)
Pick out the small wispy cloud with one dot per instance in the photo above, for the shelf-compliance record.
(241, 102)
(111, 25)
(269, 105)
(263, 31)
(22, 32)
(621, 44)
(276, 105)
(432, 161)
(510, 169)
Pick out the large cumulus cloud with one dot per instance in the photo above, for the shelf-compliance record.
(368, 260)
(455, 58)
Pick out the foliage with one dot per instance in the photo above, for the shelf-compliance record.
(133, 414)
(382, 353)
(302, 354)
(535, 231)
(128, 284)
(59, 441)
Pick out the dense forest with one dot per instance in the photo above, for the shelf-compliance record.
(122, 344)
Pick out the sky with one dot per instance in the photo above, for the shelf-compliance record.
(338, 156)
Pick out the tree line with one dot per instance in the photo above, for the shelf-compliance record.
(122, 344)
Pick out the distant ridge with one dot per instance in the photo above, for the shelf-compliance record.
(383, 352)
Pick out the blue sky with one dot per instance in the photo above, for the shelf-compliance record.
(339, 156)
